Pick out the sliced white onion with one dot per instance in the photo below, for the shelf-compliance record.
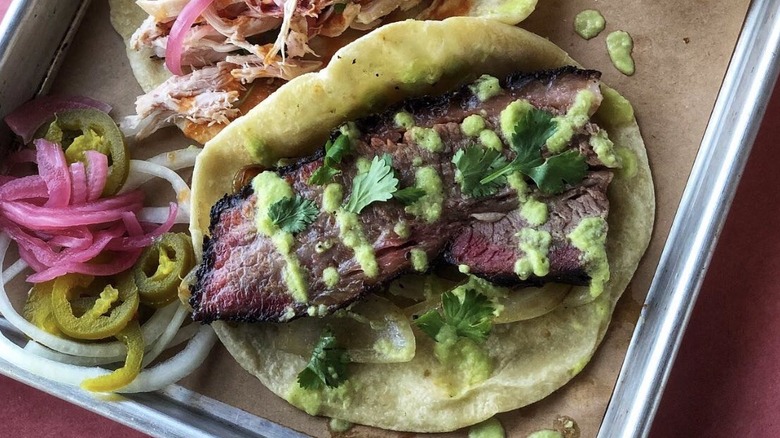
(158, 377)
(151, 329)
(167, 335)
(177, 367)
(530, 302)
(174, 160)
(177, 182)
(159, 215)
(49, 369)
(372, 331)
(512, 304)
(182, 335)
(15, 269)
(39, 350)
(579, 296)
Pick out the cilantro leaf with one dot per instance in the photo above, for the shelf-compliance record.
(431, 323)
(567, 167)
(473, 163)
(409, 195)
(327, 366)
(378, 184)
(471, 318)
(550, 175)
(294, 214)
(323, 175)
(334, 152)
(530, 135)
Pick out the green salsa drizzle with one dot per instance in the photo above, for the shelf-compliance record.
(590, 237)
(619, 46)
(535, 245)
(270, 188)
(429, 206)
(351, 233)
(486, 87)
(589, 23)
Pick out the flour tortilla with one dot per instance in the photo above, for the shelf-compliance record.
(531, 358)
(150, 71)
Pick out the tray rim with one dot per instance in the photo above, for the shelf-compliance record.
(742, 100)
(730, 134)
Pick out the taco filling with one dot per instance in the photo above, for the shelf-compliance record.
(505, 179)
(403, 257)
(228, 55)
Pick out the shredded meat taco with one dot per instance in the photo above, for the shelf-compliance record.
(232, 54)
(432, 229)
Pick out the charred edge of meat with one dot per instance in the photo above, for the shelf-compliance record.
(196, 289)
(292, 168)
(519, 80)
(438, 105)
(209, 257)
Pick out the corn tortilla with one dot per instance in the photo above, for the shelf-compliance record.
(531, 358)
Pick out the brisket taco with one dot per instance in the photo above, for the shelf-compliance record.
(226, 56)
(456, 248)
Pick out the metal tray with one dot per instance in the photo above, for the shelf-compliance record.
(46, 27)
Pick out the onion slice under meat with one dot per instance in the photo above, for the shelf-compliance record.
(372, 331)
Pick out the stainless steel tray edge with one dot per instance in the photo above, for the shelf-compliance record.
(731, 131)
(34, 35)
(178, 412)
(175, 412)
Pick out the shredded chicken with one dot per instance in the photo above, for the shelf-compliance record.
(227, 48)
(251, 67)
(203, 96)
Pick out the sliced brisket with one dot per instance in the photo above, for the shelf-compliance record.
(241, 277)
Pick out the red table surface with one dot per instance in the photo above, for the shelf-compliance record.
(726, 378)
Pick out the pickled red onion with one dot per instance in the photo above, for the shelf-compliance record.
(27, 187)
(175, 46)
(78, 177)
(60, 229)
(122, 262)
(53, 168)
(97, 173)
(26, 119)
(76, 237)
(52, 219)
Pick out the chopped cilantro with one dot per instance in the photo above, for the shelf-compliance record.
(323, 175)
(409, 195)
(327, 366)
(530, 135)
(378, 184)
(567, 167)
(294, 214)
(334, 152)
(471, 318)
(473, 163)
